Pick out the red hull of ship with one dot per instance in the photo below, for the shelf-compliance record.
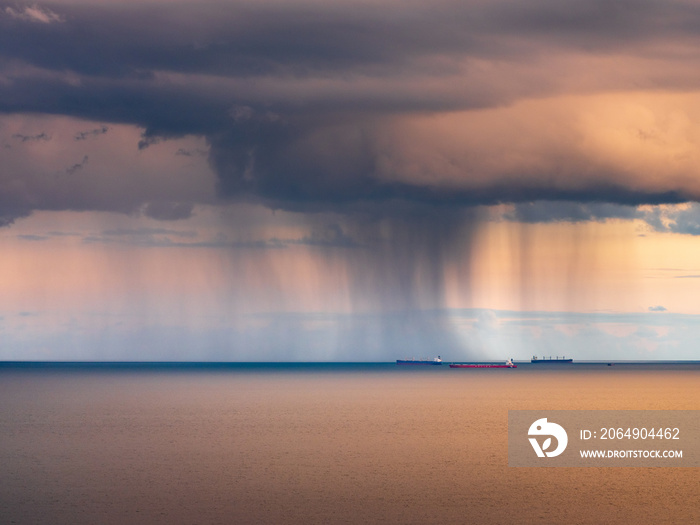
(483, 366)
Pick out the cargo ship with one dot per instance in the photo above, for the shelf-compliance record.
(509, 364)
(436, 361)
(556, 360)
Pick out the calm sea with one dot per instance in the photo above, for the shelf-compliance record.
(321, 443)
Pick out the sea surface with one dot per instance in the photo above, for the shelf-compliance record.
(323, 443)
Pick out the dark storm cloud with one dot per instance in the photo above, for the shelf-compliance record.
(168, 211)
(598, 23)
(253, 38)
(570, 211)
(329, 236)
(292, 97)
(291, 167)
(9, 212)
(191, 153)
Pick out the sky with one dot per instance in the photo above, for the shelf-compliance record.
(349, 181)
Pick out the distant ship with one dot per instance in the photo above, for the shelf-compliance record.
(509, 364)
(535, 359)
(436, 361)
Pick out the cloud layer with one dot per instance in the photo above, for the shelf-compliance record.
(313, 106)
